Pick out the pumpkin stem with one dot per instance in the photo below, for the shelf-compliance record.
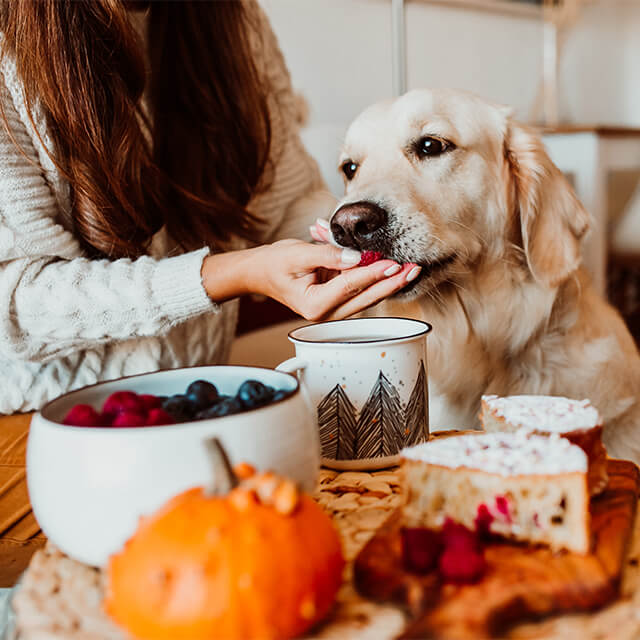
(224, 479)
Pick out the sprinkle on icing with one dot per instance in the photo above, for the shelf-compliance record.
(550, 414)
(506, 454)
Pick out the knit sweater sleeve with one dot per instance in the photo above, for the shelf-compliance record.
(296, 193)
(53, 300)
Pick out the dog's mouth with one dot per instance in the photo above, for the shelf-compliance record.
(431, 270)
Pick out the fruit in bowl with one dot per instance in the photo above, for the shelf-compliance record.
(259, 561)
(90, 485)
(200, 401)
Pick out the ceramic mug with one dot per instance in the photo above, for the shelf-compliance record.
(367, 380)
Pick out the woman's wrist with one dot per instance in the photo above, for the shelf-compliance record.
(229, 275)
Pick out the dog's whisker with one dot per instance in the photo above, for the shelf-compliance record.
(471, 231)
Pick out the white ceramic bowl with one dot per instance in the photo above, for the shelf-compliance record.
(89, 486)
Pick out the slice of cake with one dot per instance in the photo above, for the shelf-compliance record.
(576, 420)
(527, 487)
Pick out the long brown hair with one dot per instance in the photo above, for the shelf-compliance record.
(210, 131)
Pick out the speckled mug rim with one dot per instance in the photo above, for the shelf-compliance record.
(426, 329)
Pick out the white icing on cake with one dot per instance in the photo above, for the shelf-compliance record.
(552, 414)
(506, 454)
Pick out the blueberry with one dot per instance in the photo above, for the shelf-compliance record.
(202, 394)
(280, 395)
(225, 407)
(179, 407)
(254, 394)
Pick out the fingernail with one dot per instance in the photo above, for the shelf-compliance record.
(321, 222)
(350, 256)
(414, 273)
(314, 233)
(392, 270)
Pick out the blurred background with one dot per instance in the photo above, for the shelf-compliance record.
(570, 67)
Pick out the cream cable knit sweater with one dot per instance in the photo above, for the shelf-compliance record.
(67, 321)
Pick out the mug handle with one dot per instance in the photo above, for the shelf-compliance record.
(293, 365)
(296, 366)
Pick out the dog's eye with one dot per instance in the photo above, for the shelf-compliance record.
(349, 169)
(429, 147)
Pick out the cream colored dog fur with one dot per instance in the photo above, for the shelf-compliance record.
(512, 310)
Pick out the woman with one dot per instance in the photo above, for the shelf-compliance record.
(146, 159)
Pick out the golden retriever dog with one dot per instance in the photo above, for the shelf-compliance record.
(451, 182)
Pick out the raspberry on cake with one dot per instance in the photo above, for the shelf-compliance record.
(527, 487)
(576, 420)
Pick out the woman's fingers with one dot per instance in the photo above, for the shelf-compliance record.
(376, 293)
(352, 283)
(329, 282)
(313, 256)
(315, 235)
(322, 230)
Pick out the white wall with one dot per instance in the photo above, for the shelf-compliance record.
(494, 55)
(631, 17)
(339, 54)
(600, 65)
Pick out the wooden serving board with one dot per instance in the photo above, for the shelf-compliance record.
(521, 582)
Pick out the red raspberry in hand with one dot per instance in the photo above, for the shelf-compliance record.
(83, 415)
(159, 417)
(369, 257)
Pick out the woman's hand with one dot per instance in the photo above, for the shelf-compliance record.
(320, 231)
(318, 282)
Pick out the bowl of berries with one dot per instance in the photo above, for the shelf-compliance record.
(101, 457)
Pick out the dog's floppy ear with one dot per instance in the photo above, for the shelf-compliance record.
(552, 219)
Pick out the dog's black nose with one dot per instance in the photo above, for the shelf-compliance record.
(353, 225)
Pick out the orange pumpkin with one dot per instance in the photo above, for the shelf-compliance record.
(261, 562)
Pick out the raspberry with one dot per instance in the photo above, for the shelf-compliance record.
(369, 257)
(483, 520)
(458, 538)
(463, 559)
(159, 417)
(456, 551)
(420, 549)
(503, 507)
(129, 419)
(149, 402)
(461, 565)
(122, 401)
(83, 415)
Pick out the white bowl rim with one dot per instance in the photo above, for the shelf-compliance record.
(164, 427)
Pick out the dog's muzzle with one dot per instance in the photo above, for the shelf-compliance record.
(355, 225)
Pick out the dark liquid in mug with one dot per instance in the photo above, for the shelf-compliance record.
(370, 338)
